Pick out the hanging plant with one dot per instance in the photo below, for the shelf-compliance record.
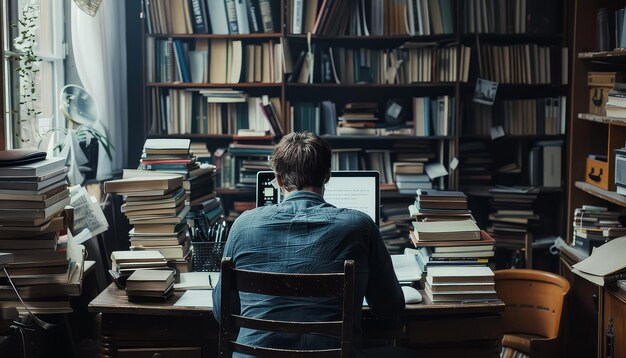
(28, 69)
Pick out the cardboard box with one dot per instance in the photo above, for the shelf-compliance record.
(597, 173)
(599, 84)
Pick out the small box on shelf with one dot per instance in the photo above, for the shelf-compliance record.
(597, 173)
(599, 84)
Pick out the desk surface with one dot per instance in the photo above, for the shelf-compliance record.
(114, 300)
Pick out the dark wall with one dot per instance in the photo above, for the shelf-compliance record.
(134, 63)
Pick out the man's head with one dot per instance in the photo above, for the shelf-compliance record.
(301, 160)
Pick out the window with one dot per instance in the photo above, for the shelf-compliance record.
(31, 89)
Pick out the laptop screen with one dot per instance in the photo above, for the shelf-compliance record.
(358, 190)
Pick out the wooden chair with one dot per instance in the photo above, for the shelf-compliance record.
(534, 302)
(288, 285)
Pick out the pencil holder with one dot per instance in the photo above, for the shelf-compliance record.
(207, 256)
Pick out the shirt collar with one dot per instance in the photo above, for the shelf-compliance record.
(305, 195)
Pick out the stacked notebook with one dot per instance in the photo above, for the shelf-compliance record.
(466, 284)
(150, 285)
(155, 206)
(596, 225)
(33, 194)
(446, 236)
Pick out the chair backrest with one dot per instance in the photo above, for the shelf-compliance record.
(534, 301)
(339, 285)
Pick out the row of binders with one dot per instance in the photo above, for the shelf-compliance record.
(542, 116)
(521, 64)
(450, 248)
(410, 63)
(371, 17)
(221, 17)
(214, 61)
(510, 17)
(214, 111)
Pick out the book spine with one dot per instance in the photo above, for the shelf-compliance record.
(199, 25)
(231, 15)
(266, 16)
(297, 16)
(253, 16)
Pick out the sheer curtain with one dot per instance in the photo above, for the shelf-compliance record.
(99, 45)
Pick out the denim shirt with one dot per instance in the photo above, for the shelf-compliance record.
(304, 234)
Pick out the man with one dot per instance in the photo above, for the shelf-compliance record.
(304, 234)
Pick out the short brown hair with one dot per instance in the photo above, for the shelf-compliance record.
(301, 160)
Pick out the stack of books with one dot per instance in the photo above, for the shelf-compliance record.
(359, 119)
(410, 176)
(445, 235)
(170, 155)
(616, 104)
(434, 205)
(466, 284)
(475, 170)
(156, 206)
(33, 195)
(125, 263)
(596, 225)
(514, 215)
(150, 285)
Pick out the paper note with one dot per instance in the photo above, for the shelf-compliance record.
(87, 212)
(196, 298)
(406, 268)
(435, 170)
(454, 163)
(496, 132)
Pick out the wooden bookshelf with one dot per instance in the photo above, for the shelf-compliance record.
(445, 147)
(602, 119)
(609, 196)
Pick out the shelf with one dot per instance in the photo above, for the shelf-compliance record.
(255, 36)
(519, 91)
(513, 137)
(193, 136)
(602, 119)
(387, 41)
(371, 86)
(552, 39)
(487, 194)
(609, 196)
(213, 85)
(383, 137)
(616, 57)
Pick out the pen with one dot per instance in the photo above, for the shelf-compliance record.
(210, 281)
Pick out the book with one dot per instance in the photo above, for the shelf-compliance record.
(446, 230)
(22, 184)
(29, 214)
(33, 169)
(150, 280)
(23, 204)
(142, 184)
(466, 274)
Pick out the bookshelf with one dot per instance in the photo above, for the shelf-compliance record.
(589, 133)
(457, 44)
(608, 133)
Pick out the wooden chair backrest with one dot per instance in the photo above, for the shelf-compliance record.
(534, 301)
(288, 285)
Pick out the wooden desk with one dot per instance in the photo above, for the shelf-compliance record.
(164, 330)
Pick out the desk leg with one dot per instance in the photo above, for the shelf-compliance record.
(105, 338)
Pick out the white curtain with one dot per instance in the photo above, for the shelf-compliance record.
(99, 45)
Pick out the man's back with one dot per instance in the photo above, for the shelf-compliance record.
(304, 234)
